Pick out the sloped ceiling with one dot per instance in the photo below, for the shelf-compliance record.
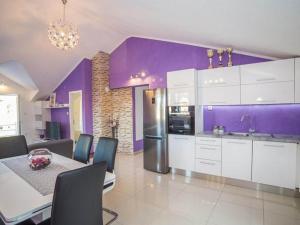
(266, 28)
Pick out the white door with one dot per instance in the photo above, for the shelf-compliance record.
(266, 72)
(76, 121)
(237, 159)
(9, 115)
(181, 152)
(297, 80)
(274, 163)
(268, 93)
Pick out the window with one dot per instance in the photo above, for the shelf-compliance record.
(9, 116)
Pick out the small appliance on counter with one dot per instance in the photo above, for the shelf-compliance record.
(218, 130)
(181, 120)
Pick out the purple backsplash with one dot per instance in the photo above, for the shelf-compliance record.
(273, 119)
(156, 58)
(79, 79)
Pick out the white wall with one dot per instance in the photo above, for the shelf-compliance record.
(26, 113)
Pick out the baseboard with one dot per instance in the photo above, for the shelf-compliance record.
(240, 183)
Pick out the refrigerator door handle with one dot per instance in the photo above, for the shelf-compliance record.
(154, 137)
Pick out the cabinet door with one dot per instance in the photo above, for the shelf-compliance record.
(274, 163)
(297, 80)
(219, 95)
(181, 78)
(237, 158)
(273, 71)
(226, 76)
(182, 152)
(181, 96)
(269, 93)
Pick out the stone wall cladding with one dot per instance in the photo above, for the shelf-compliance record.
(117, 103)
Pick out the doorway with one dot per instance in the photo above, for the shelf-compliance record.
(9, 115)
(76, 127)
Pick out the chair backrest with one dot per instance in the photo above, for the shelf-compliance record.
(77, 198)
(83, 148)
(13, 146)
(106, 151)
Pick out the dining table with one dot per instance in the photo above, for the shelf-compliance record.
(25, 193)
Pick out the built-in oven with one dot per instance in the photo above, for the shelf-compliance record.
(181, 120)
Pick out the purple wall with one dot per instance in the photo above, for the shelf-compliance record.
(274, 119)
(156, 58)
(79, 79)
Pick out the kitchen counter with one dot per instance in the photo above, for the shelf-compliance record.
(255, 137)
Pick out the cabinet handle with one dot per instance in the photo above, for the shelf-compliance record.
(274, 146)
(234, 142)
(177, 138)
(181, 85)
(215, 102)
(207, 163)
(208, 140)
(206, 148)
(265, 79)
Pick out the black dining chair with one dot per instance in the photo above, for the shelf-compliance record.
(106, 151)
(77, 198)
(83, 148)
(13, 146)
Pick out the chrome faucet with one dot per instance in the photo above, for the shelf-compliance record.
(251, 121)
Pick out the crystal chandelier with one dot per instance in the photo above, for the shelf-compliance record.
(62, 34)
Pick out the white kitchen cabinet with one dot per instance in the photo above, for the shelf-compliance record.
(208, 141)
(297, 80)
(208, 155)
(206, 166)
(237, 158)
(182, 152)
(208, 152)
(274, 163)
(229, 95)
(265, 72)
(181, 78)
(268, 93)
(181, 96)
(225, 76)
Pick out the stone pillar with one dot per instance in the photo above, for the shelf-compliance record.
(117, 102)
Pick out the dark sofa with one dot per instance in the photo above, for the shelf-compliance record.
(62, 147)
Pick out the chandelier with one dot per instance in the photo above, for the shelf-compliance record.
(62, 34)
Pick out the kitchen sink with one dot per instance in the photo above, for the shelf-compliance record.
(261, 135)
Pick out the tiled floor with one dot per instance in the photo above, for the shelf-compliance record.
(145, 198)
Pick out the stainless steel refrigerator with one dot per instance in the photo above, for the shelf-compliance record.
(155, 130)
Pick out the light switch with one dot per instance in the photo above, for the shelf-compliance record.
(210, 108)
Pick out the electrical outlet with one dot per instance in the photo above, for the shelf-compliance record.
(210, 108)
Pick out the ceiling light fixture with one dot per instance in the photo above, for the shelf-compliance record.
(62, 34)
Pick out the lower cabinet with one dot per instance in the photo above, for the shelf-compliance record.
(274, 163)
(208, 155)
(207, 166)
(182, 152)
(237, 158)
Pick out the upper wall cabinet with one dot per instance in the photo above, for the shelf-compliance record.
(266, 72)
(181, 96)
(225, 76)
(297, 80)
(181, 78)
(181, 87)
(227, 95)
(269, 93)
